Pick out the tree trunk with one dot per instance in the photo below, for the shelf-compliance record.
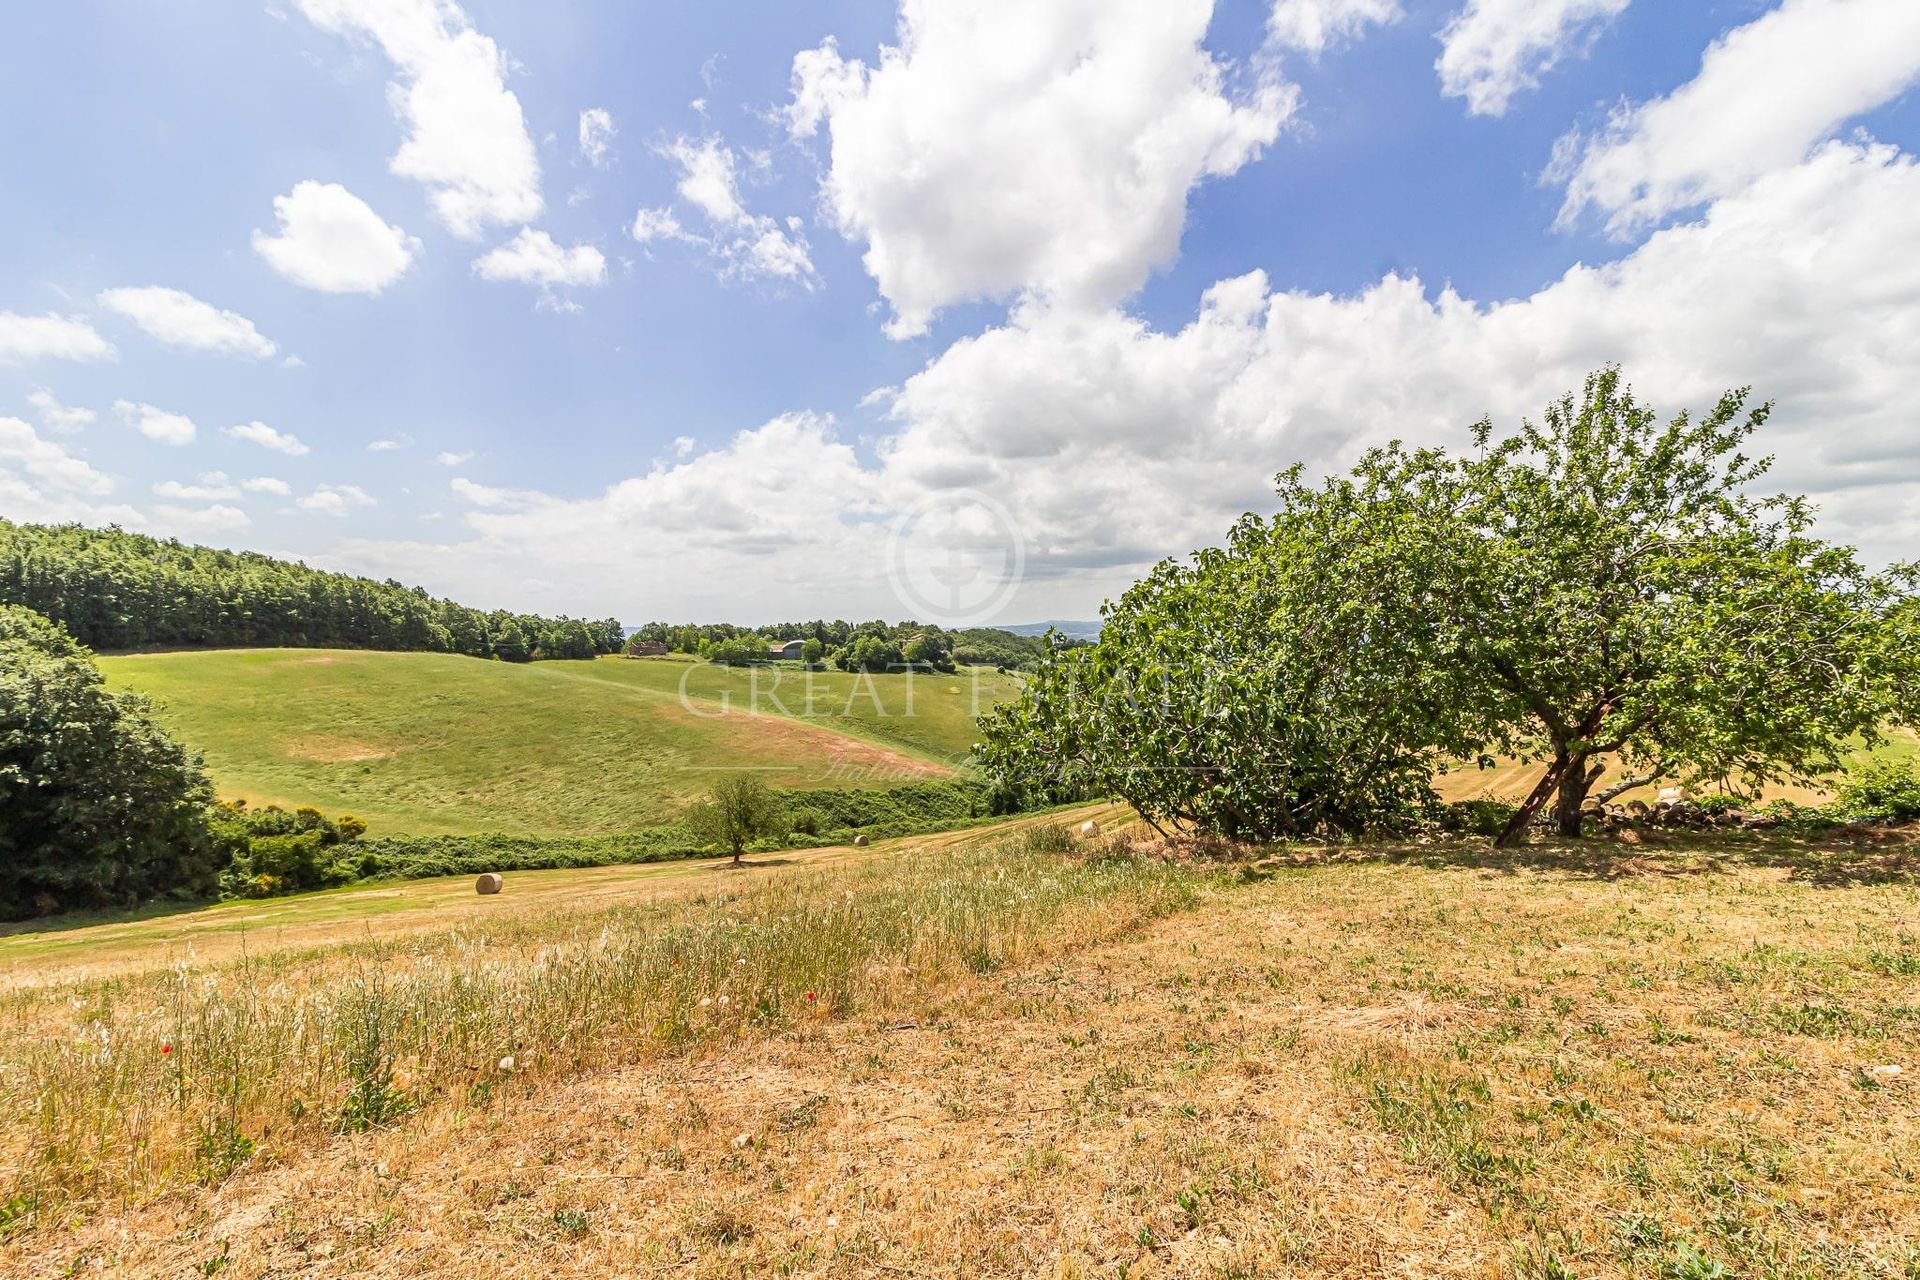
(1573, 793)
(1548, 784)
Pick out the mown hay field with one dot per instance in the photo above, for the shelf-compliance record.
(432, 744)
(1020, 1055)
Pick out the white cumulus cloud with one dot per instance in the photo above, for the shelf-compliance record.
(200, 521)
(268, 438)
(330, 239)
(179, 319)
(748, 245)
(268, 484)
(46, 462)
(334, 499)
(1116, 443)
(56, 416)
(156, 424)
(1315, 25)
(24, 338)
(1494, 49)
(1005, 148)
(534, 258)
(212, 486)
(596, 136)
(467, 139)
(1765, 94)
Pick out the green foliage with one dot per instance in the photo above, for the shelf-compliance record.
(1603, 585)
(973, 646)
(1596, 588)
(870, 651)
(812, 650)
(740, 810)
(98, 806)
(744, 652)
(119, 590)
(1486, 818)
(1275, 689)
(272, 851)
(807, 820)
(1881, 791)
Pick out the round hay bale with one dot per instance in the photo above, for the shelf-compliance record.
(861, 842)
(1089, 829)
(491, 882)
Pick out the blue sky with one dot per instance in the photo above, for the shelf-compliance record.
(806, 317)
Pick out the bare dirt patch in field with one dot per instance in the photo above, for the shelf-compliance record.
(322, 750)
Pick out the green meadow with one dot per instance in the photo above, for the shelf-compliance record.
(438, 744)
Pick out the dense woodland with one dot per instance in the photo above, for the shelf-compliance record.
(116, 590)
(876, 645)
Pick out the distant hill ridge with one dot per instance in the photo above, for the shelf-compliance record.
(117, 590)
(1071, 630)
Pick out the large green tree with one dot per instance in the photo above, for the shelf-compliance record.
(1601, 592)
(1274, 689)
(98, 806)
(1626, 609)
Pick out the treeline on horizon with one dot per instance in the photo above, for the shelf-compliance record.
(117, 590)
(969, 646)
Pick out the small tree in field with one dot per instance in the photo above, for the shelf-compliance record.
(739, 810)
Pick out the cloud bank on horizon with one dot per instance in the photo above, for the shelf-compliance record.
(1112, 262)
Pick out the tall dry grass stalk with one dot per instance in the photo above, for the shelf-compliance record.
(114, 1089)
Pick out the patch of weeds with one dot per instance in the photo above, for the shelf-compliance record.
(570, 1222)
(1190, 1207)
(1904, 963)
(1814, 1018)
(1577, 1109)
(718, 1224)
(1688, 1263)
(804, 1114)
(14, 1213)
(221, 1149)
(1437, 1123)
(214, 1265)
(373, 1100)
(1663, 1034)
(671, 1158)
(1534, 1261)
(1636, 1235)
(981, 960)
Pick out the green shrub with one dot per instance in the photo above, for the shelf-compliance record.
(1476, 817)
(745, 652)
(807, 821)
(1881, 791)
(1046, 838)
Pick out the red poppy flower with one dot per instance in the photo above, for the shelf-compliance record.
(166, 1048)
(809, 997)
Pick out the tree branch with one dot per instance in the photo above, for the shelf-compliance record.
(1627, 784)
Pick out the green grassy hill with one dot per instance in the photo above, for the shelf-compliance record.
(428, 744)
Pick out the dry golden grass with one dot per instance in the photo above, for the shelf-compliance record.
(1432, 1061)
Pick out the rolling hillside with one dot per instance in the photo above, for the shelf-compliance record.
(427, 744)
